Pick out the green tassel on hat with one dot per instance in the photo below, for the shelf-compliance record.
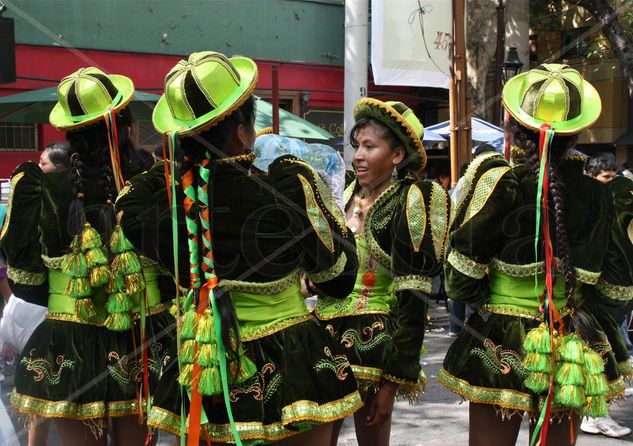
(569, 395)
(538, 382)
(569, 373)
(126, 262)
(538, 340)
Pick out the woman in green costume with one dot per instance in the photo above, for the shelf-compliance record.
(83, 366)
(255, 366)
(526, 238)
(400, 224)
(611, 298)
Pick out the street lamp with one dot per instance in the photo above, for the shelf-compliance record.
(512, 65)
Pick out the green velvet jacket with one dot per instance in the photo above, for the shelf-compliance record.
(36, 234)
(405, 231)
(494, 225)
(265, 228)
(616, 282)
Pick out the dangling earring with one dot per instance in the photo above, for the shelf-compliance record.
(394, 174)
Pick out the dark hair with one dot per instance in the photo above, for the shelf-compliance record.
(57, 153)
(604, 161)
(89, 147)
(483, 148)
(383, 132)
(439, 168)
(528, 140)
(194, 149)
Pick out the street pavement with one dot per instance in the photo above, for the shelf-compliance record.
(440, 418)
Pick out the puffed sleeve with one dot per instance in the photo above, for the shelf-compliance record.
(616, 280)
(19, 239)
(489, 193)
(326, 247)
(419, 228)
(147, 223)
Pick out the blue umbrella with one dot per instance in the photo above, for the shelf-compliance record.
(497, 144)
(481, 130)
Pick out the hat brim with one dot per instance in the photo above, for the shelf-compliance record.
(164, 122)
(591, 107)
(61, 121)
(373, 108)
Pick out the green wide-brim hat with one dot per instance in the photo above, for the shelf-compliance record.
(401, 120)
(87, 96)
(203, 90)
(552, 94)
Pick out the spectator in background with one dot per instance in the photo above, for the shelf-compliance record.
(602, 167)
(54, 157)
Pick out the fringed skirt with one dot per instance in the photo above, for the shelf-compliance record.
(367, 340)
(86, 372)
(302, 380)
(486, 363)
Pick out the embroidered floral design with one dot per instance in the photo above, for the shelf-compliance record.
(416, 216)
(257, 386)
(316, 216)
(127, 371)
(367, 340)
(484, 189)
(500, 360)
(42, 368)
(336, 363)
(439, 219)
(330, 329)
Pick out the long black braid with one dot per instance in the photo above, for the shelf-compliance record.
(88, 147)
(529, 141)
(215, 140)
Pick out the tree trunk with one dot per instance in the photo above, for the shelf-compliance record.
(621, 43)
(480, 47)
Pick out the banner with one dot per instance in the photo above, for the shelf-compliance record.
(410, 42)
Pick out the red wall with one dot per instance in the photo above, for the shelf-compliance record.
(51, 64)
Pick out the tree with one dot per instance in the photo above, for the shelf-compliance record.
(612, 27)
(480, 48)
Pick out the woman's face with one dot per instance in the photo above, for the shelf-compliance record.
(45, 164)
(605, 176)
(373, 159)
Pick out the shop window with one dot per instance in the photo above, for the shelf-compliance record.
(146, 136)
(18, 137)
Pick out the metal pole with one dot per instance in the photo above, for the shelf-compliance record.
(501, 32)
(356, 49)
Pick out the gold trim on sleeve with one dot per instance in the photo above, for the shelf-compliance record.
(416, 216)
(466, 265)
(331, 272)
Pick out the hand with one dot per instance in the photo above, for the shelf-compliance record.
(381, 405)
(8, 354)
